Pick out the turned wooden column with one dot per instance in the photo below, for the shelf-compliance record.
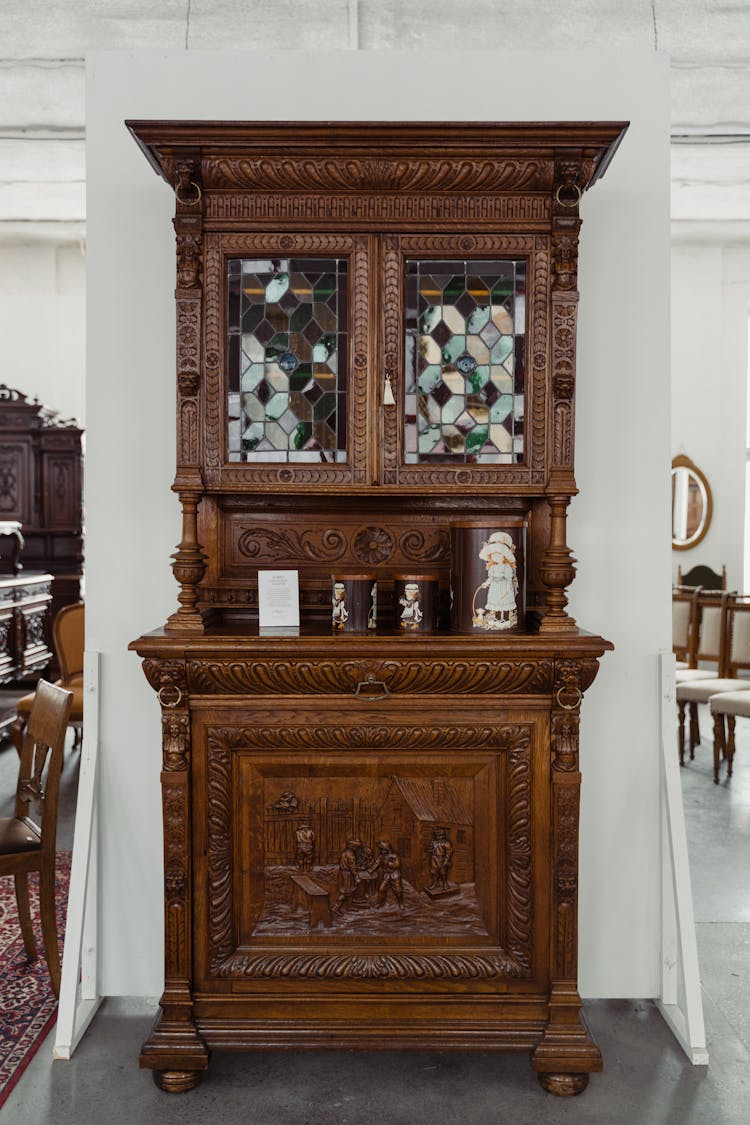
(566, 1054)
(174, 1051)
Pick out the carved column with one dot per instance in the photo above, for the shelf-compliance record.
(189, 564)
(174, 1050)
(557, 568)
(566, 1054)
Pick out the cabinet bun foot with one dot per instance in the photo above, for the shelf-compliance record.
(564, 1085)
(176, 1081)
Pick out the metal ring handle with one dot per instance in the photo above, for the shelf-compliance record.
(189, 202)
(368, 685)
(169, 687)
(568, 706)
(568, 202)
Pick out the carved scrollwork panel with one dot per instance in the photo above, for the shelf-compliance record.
(445, 209)
(325, 676)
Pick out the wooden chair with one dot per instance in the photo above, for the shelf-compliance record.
(703, 576)
(683, 612)
(725, 707)
(25, 845)
(706, 626)
(734, 657)
(68, 643)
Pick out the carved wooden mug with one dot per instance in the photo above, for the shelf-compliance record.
(353, 602)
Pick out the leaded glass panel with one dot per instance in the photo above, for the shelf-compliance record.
(287, 359)
(464, 377)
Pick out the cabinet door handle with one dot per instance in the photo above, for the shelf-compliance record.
(370, 685)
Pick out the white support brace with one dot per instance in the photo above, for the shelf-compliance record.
(680, 1003)
(79, 986)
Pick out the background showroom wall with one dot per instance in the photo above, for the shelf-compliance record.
(617, 525)
(42, 302)
(710, 308)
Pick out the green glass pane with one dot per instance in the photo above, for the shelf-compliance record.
(461, 351)
(286, 312)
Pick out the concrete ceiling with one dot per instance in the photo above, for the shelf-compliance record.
(43, 48)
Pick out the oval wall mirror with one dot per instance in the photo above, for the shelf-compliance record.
(692, 504)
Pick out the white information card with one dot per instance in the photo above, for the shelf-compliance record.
(278, 599)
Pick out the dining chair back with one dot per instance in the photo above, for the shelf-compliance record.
(28, 839)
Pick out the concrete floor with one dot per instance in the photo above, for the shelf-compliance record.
(647, 1079)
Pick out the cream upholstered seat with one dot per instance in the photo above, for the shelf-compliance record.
(734, 658)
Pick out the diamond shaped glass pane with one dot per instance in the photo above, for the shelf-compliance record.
(465, 326)
(286, 348)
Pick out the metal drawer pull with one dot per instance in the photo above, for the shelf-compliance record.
(369, 685)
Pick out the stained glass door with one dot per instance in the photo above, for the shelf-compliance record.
(294, 359)
(456, 355)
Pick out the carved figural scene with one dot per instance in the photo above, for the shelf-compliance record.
(388, 856)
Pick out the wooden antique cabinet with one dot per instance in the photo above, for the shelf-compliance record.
(371, 839)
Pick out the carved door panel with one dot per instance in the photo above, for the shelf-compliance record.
(16, 482)
(467, 384)
(371, 847)
(287, 359)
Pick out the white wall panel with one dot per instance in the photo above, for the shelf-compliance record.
(618, 523)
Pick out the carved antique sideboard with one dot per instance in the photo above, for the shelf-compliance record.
(371, 839)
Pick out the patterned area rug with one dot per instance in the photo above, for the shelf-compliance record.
(27, 1003)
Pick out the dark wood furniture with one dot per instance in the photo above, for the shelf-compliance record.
(28, 844)
(703, 576)
(40, 487)
(25, 601)
(376, 333)
(68, 647)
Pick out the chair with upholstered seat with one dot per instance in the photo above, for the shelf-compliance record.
(68, 643)
(725, 707)
(734, 658)
(26, 845)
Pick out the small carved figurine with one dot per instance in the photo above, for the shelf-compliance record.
(348, 877)
(388, 865)
(441, 859)
(305, 847)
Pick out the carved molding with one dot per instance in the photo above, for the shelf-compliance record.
(219, 855)
(311, 545)
(316, 676)
(212, 329)
(565, 740)
(336, 174)
(368, 737)
(361, 334)
(362, 966)
(456, 208)
(425, 545)
(565, 798)
(519, 847)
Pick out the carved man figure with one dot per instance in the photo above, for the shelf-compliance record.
(441, 859)
(305, 847)
(388, 864)
(348, 877)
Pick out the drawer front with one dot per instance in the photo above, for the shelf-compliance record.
(369, 679)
